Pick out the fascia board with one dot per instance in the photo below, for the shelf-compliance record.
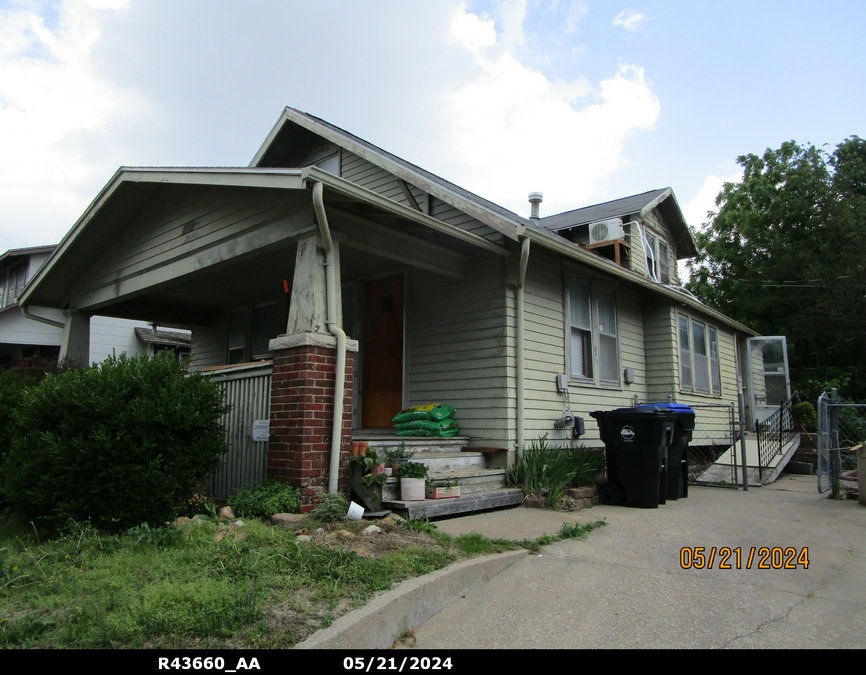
(269, 178)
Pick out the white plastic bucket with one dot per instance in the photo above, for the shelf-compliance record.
(355, 512)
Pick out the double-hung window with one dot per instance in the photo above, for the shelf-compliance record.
(700, 369)
(593, 339)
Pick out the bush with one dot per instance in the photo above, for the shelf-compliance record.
(26, 373)
(118, 445)
(266, 499)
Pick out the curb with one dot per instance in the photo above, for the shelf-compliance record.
(379, 623)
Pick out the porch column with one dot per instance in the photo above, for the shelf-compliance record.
(75, 346)
(302, 384)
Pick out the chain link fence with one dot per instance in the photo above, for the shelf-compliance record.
(841, 431)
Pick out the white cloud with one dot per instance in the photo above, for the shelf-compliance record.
(629, 19)
(472, 32)
(705, 200)
(49, 98)
(513, 131)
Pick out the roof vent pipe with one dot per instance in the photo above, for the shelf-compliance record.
(535, 198)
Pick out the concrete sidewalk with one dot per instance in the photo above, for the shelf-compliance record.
(625, 586)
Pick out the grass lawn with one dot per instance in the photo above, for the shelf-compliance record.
(190, 588)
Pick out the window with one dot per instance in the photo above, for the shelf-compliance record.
(12, 285)
(664, 264)
(251, 329)
(593, 347)
(700, 369)
(658, 266)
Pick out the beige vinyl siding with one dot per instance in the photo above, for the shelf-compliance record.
(653, 224)
(209, 346)
(546, 336)
(661, 352)
(457, 336)
(366, 174)
(187, 221)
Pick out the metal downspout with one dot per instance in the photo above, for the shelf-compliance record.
(336, 331)
(50, 322)
(521, 279)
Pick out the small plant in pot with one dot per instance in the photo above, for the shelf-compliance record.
(413, 475)
(397, 457)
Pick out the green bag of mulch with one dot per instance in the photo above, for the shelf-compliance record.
(431, 411)
(428, 425)
(424, 432)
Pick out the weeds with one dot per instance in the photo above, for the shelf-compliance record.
(180, 588)
(546, 470)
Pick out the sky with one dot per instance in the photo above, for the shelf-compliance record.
(582, 100)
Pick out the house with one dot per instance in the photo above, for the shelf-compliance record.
(331, 263)
(40, 335)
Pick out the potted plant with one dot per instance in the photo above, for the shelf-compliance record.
(372, 467)
(413, 475)
(442, 488)
(397, 457)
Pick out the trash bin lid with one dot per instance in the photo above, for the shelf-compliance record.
(685, 415)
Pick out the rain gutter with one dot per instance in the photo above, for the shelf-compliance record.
(521, 280)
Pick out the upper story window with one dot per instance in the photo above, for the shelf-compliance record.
(12, 284)
(658, 265)
(593, 333)
(700, 368)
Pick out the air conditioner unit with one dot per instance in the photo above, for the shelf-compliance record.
(606, 230)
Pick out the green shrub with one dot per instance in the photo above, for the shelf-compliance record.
(117, 445)
(266, 499)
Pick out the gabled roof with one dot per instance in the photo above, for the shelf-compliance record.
(635, 205)
(25, 252)
(489, 213)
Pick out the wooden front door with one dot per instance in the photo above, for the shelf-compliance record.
(382, 392)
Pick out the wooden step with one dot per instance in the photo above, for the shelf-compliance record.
(434, 508)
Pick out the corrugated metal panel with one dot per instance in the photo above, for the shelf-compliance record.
(248, 392)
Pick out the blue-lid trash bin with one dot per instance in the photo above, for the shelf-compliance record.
(677, 466)
(636, 441)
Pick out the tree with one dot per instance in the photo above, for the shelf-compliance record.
(785, 253)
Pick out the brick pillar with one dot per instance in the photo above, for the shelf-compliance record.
(302, 409)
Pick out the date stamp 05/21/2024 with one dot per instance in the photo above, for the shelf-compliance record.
(726, 558)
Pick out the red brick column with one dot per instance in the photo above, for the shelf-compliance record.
(302, 410)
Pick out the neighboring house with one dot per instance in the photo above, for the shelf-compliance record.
(22, 336)
(444, 296)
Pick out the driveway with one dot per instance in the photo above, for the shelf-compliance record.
(626, 587)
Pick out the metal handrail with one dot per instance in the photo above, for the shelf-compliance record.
(774, 432)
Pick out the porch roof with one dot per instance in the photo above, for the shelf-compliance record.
(131, 188)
